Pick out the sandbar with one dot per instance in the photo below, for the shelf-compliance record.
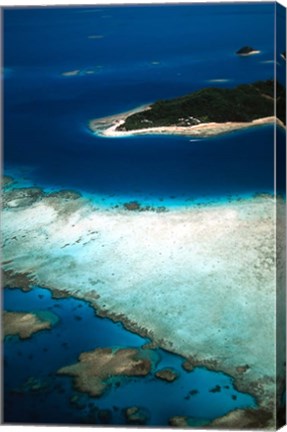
(71, 73)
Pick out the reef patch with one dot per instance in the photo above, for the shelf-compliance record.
(24, 325)
(96, 367)
(168, 375)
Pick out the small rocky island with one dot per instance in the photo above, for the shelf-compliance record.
(247, 51)
(206, 112)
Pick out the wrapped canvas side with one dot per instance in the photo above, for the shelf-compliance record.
(280, 193)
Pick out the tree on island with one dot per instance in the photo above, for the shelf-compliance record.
(245, 50)
(244, 103)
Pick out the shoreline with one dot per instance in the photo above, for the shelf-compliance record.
(106, 127)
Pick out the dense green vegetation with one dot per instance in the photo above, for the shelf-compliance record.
(245, 50)
(244, 103)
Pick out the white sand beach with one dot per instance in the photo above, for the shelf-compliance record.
(254, 52)
(108, 126)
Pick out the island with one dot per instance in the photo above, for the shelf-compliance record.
(95, 368)
(206, 112)
(24, 325)
(247, 51)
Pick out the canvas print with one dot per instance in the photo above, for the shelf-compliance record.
(143, 215)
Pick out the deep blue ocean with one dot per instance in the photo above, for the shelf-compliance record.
(140, 54)
(79, 330)
(126, 57)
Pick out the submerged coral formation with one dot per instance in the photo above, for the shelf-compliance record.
(168, 375)
(182, 277)
(136, 416)
(96, 367)
(25, 324)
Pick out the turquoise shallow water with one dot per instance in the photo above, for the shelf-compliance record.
(79, 330)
